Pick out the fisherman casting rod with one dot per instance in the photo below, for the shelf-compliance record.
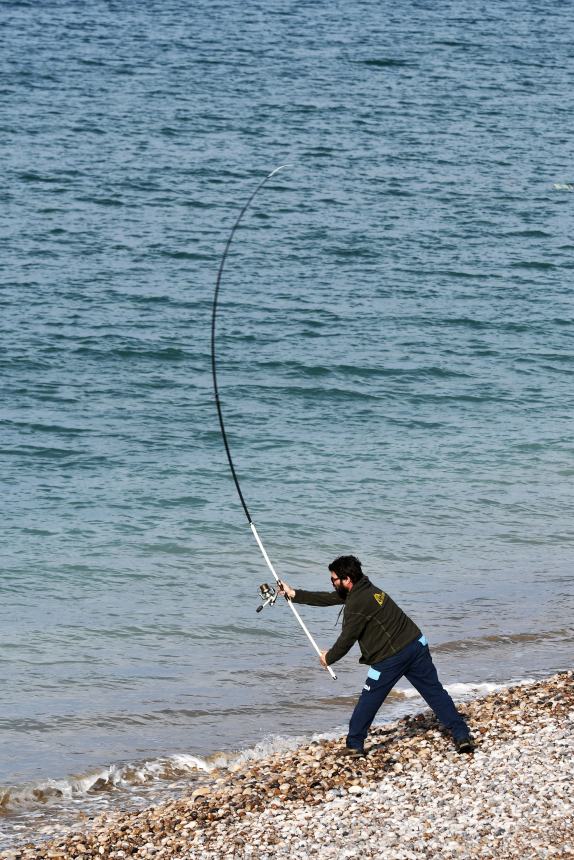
(220, 413)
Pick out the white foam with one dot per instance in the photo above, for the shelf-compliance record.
(114, 776)
(269, 746)
(190, 763)
(463, 691)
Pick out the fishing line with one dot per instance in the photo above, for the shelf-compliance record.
(220, 413)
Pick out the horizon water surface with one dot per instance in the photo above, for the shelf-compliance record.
(395, 355)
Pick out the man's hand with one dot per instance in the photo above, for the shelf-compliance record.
(322, 659)
(286, 590)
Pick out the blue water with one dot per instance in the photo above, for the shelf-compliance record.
(395, 352)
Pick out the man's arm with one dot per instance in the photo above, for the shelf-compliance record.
(310, 598)
(353, 626)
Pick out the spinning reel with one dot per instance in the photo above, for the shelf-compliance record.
(268, 595)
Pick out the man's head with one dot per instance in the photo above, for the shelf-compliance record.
(345, 572)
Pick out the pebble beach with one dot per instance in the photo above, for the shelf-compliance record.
(412, 797)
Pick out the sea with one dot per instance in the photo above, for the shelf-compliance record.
(395, 359)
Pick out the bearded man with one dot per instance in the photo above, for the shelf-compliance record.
(391, 645)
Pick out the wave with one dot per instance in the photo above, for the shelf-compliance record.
(386, 63)
(499, 639)
(40, 451)
(102, 780)
(539, 265)
(167, 772)
(529, 234)
(461, 691)
(38, 427)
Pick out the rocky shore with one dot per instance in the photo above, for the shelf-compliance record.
(412, 798)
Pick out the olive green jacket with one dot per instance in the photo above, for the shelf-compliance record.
(370, 618)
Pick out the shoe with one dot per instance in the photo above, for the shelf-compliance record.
(464, 745)
(351, 752)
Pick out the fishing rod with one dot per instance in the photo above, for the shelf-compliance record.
(267, 593)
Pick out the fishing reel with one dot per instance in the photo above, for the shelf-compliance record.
(268, 595)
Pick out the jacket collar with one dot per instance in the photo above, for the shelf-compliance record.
(359, 586)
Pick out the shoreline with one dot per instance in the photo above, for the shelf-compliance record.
(412, 797)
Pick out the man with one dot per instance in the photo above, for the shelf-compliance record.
(391, 644)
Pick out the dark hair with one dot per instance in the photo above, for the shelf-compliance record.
(347, 566)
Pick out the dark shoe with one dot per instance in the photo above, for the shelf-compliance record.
(351, 752)
(464, 745)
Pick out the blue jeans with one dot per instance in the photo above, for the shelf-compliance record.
(415, 663)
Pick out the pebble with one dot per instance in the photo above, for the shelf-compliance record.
(511, 800)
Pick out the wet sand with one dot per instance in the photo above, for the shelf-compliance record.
(412, 797)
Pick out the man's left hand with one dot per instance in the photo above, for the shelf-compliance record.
(322, 659)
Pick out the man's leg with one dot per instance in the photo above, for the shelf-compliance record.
(422, 674)
(381, 679)
(366, 709)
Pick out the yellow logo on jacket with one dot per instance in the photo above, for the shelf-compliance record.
(380, 598)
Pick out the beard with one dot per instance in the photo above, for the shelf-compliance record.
(342, 592)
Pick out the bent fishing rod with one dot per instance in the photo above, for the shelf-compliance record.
(268, 594)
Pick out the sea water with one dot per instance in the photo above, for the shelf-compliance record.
(395, 356)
